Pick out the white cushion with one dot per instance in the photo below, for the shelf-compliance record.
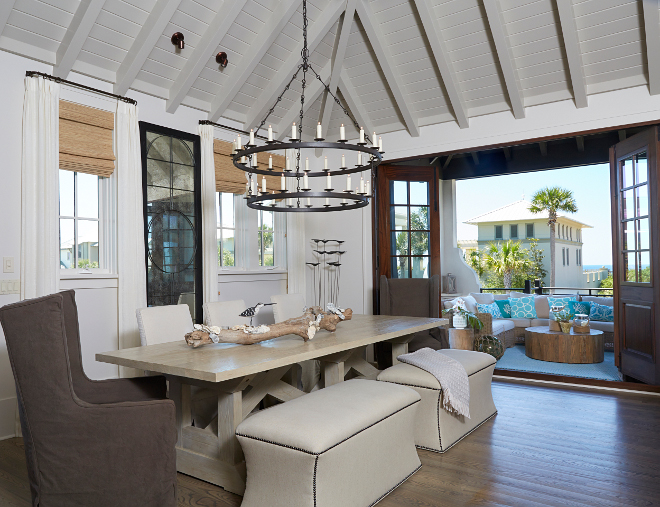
(500, 297)
(501, 325)
(539, 322)
(608, 327)
(225, 313)
(514, 294)
(287, 306)
(163, 324)
(482, 298)
(606, 301)
(520, 322)
(470, 303)
(542, 307)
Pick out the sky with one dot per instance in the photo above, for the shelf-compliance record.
(591, 190)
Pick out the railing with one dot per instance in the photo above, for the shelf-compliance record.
(537, 289)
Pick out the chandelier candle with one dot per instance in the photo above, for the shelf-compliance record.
(325, 164)
(342, 133)
(270, 133)
(288, 164)
(254, 160)
(343, 161)
(380, 144)
(362, 184)
(328, 182)
(263, 184)
(253, 182)
(319, 131)
(252, 137)
(294, 132)
(270, 162)
(359, 158)
(373, 141)
(238, 143)
(282, 182)
(348, 182)
(361, 135)
(307, 167)
(368, 187)
(305, 180)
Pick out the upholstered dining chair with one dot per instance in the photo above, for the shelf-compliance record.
(225, 313)
(411, 297)
(101, 443)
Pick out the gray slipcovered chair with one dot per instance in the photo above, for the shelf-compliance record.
(411, 297)
(102, 443)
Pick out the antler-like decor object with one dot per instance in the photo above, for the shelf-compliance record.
(305, 326)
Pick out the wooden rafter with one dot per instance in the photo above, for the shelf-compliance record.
(573, 51)
(144, 43)
(445, 67)
(6, 6)
(652, 29)
(339, 52)
(252, 57)
(209, 42)
(543, 146)
(384, 57)
(316, 31)
(580, 143)
(505, 57)
(354, 103)
(76, 35)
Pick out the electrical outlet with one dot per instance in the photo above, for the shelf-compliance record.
(7, 264)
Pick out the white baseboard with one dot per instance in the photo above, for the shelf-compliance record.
(8, 418)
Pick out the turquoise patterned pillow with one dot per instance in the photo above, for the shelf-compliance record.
(601, 313)
(560, 301)
(492, 308)
(505, 307)
(523, 308)
(576, 307)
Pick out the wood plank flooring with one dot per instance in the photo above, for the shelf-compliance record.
(546, 447)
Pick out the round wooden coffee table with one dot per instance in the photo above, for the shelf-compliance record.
(558, 347)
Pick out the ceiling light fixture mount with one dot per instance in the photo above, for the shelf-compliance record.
(302, 198)
(177, 40)
(221, 59)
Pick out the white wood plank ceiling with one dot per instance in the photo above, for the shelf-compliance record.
(395, 64)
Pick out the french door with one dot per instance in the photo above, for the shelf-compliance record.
(636, 247)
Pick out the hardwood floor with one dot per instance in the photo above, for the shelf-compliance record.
(546, 447)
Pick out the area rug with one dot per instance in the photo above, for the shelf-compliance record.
(514, 358)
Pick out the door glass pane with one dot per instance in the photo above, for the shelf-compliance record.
(400, 267)
(67, 242)
(642, 169)
(419, 192)
(419, 243)
(419, 218)
(642, 200)
(399, 243)
(66, 193)
(627, 173)
(88, 244)
(399, 218)
(628, 235)
(644, 266)
(88, 195)
(642, 234)
(629, 266)
(420, 267)
(628, 204)
(399, 192)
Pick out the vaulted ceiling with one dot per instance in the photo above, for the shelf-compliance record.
(395, 64)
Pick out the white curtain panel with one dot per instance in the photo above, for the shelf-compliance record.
(131, 267)
(209, 219)
(295, 250)
(40, 249)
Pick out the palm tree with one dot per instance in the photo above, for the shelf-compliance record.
(506, 260)
(552, 200)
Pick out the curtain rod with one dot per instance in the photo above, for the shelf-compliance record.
(209, 122)
(32, 73)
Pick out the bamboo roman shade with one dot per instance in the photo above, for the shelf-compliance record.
(229, 178)
(86, 139)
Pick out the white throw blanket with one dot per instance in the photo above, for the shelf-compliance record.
(450, 373)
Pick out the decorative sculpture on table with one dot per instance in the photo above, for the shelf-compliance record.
(326, 273)
(254, 310)
(305, 326)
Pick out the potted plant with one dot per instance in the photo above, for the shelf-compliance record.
(462, 318)
(564, 318)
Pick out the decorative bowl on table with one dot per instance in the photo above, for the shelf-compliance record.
(490, 345)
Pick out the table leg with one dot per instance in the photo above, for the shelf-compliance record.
(399, 346)
(333, 367)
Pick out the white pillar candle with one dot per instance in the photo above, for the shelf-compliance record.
(380, 144)
(251, 136)
(282, 182)
(327, 201)
(307, 164)
(328, 181)
(294, 132)
(254, 185)
(342, 132)
(359, 157)
(362, 184)
(233, 147)
(325, 163)
(270, 132)
(343, 161)
(348, 182)
(243, 159)
(343, 201)
(289, 202)
(238, 143)
(319, 131)
(361, 135)
(309, 202)
(305, 180)
(254, 160)
(270, 162)
(263, 184)
(374, 140)
(288, 164)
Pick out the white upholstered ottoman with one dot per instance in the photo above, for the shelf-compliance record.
(435, 428)
(346, 445)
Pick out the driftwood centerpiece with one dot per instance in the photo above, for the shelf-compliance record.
(304, 326)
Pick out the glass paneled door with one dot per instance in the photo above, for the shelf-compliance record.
(172, 189)
(635, 223)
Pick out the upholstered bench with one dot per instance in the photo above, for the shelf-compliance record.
(349, 444)
(435, 428)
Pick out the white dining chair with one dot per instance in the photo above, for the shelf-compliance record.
(225, 314)
(163, 324)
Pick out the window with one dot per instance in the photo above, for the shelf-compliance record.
(514, 231)
(571, 233)
(568, 258)
(79, 220)
(529, 230)
(577, 257)
(499, 232)
(265, 232)
(563, 257)
(226, 229)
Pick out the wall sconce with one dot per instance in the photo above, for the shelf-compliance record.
(177, 40)
(221, 59)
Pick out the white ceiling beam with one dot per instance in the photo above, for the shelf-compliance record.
(252, 57)
(652, 29)
(216, 31)
(384, 57)
(505, 57)
(573, 51)
(312, 92)
(337, 61)
(75, 36)
(354, 103)
(445, 67)
(144, 43)
(315, 33)
(6, 7)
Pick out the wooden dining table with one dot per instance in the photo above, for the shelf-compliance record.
(241, 376)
